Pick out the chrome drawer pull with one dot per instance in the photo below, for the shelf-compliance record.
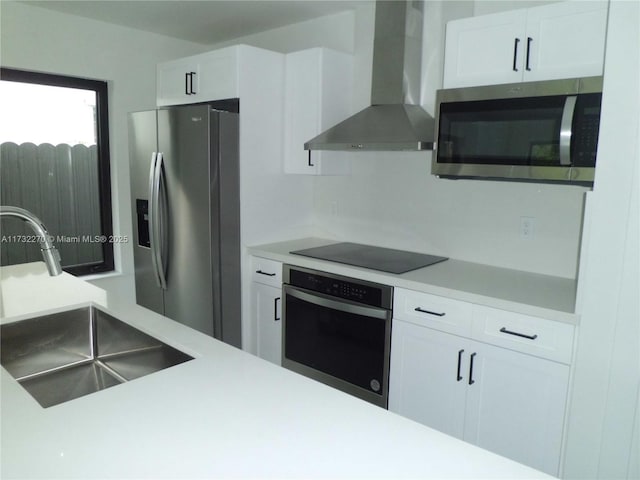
(530, 337)
(265, 273)
(418, 309)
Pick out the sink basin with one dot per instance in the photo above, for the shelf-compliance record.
(66, 355)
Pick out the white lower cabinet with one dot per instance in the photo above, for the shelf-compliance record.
(516, 406)
(508, 402)
(266, 301)
(423, 381)
(268, 311)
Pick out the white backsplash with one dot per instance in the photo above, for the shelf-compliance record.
(392, 200)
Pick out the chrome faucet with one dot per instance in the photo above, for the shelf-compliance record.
(50, 254)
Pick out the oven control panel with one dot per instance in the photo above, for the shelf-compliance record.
(341, 287)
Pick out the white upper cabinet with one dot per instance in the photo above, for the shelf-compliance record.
(199, 78)
(560, 40)
(516, 405)
(175, 81)
(318, 84)
(484, 50)
(567, 40)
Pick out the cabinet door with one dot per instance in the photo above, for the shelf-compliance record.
(267, 310)
(516, 406)
(565, 40)
(199, 78)
(175, 82)
(424, 384)
(217, 77)
(485, 50)
(317, 96)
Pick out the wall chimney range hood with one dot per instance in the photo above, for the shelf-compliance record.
(394, 121)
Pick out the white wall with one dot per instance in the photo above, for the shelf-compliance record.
(606, 383)
(350, 31)
(331, 31)
(34, 38)
(484, 7)
(390, 199)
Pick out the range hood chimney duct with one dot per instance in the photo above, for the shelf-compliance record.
(394, 121)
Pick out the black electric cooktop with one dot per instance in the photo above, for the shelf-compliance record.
(376, 258)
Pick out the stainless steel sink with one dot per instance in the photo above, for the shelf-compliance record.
(66, 355)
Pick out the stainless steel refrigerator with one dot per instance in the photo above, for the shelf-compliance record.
(186, 214)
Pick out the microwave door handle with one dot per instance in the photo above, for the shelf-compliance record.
(565, 130)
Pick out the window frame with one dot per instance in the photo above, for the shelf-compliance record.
(104, 160)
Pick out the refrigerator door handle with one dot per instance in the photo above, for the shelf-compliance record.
(162, 222)
(152, 214)
(155, 219)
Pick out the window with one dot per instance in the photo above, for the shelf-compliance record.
(54, 162)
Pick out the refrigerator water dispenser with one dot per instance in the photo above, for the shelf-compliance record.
(142, 212)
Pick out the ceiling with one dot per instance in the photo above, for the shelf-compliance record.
(201, 21)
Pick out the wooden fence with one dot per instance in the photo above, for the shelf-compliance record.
(60, 185)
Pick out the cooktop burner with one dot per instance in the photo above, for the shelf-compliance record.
(376, 258)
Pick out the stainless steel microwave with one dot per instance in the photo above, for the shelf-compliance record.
(536, 131)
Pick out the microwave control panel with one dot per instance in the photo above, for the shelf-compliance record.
(585, 130)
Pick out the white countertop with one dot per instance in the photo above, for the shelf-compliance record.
(528, 293)
(224, 414)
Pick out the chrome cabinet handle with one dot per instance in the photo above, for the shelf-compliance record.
(437, 314)
(510, 332)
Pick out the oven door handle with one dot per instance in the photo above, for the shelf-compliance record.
(326, 301)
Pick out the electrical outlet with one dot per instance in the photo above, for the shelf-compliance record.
(527, 227)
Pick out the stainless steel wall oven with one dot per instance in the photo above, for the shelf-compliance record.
(337, 330)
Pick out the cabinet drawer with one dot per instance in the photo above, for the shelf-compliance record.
(268, 272)
(532, 335)
(433, 311)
